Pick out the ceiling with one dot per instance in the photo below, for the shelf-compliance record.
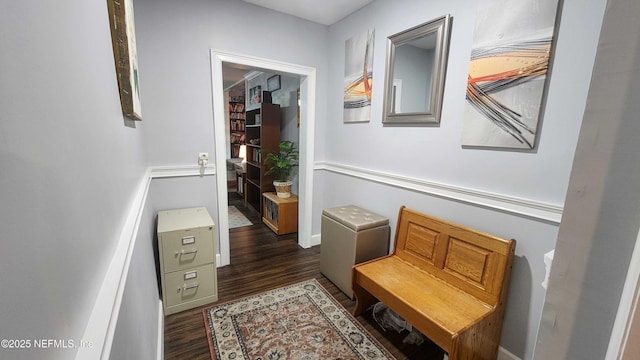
(330, 12)
(325, 12)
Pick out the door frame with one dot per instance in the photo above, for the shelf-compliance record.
(306, 142)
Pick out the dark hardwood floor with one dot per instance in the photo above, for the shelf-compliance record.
(260, 261)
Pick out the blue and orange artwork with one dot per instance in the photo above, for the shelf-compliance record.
(507, 73)
(358, 77)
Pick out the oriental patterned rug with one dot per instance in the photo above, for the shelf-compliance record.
(300, 321)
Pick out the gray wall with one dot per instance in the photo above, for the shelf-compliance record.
(70, 167)
(140, 301)
(602, 212)
(434, 154)
(71, 163)
(180, 52)
(182, 110)
(541, 174)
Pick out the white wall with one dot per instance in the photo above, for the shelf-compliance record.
(434, 154)
(70, 167)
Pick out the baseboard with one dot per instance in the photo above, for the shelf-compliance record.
(546, 212)
(315, 240)
(503, 354)
(160, 344)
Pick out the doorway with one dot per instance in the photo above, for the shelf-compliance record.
(307, 124)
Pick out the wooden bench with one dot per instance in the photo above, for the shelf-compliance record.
(449, 281)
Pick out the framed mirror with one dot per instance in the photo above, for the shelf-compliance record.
(415, 73)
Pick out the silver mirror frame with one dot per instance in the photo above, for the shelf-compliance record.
(442, 28)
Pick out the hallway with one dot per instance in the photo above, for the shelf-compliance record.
(261, 260)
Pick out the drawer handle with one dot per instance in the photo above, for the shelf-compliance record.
(189, 287)
(182, 252)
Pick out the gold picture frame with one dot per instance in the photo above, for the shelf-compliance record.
(125, 56)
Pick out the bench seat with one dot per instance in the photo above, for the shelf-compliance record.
(433, 303)
(448, 281)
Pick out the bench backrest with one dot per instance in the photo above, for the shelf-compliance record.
(477, 263)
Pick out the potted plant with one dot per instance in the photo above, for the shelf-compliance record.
(282, 163)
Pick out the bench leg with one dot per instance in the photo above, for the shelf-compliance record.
(363, 299)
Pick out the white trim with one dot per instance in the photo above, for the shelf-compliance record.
(181, 170)
(307, 134)
(252, 75)
(629, 301)
(160, 344)
(537, 210)
(504, 354)
(315, 240)
(102, 321)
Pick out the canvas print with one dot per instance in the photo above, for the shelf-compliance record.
(507, 73)
(358, 75)
(123, 38)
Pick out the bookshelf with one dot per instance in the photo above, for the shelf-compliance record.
(262, 132)
(280, 214)
(236, 124)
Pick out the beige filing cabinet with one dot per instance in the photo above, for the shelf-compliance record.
(187, 259)
(350, 235)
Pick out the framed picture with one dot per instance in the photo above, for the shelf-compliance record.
(255, 95)
(273, 83)
(123, 40)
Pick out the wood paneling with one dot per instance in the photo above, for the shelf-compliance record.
(260, 261)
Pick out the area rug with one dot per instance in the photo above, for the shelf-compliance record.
(237, 219)
(300, 321)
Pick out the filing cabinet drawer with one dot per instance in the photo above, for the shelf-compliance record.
(189, 285)
(186, 249)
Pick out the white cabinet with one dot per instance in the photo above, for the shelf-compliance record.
(187, 259)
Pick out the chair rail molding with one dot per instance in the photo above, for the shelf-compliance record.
(181, 171)
(549, 213)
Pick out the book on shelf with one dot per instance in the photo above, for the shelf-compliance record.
(237, 138)
(237, 125)
(256, 156)
(271, 209)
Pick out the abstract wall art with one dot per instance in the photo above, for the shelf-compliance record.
(508, 69)
(358, 75)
